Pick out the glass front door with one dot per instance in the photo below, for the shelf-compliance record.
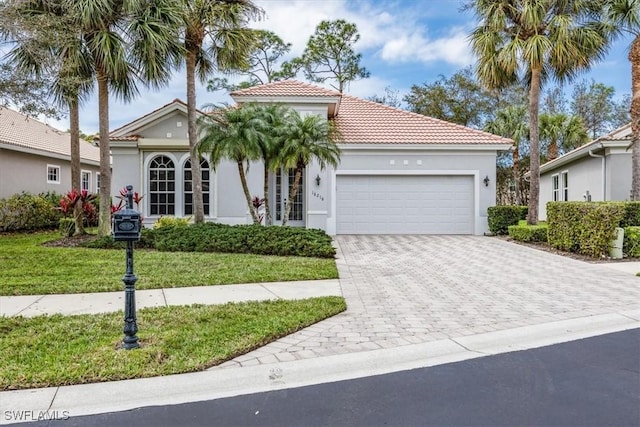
(284, 182)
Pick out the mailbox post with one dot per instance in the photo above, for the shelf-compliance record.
(127, 227)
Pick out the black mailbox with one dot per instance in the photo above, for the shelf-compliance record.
(126, 225)
(127, 222)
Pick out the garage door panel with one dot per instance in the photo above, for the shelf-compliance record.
(404, 204)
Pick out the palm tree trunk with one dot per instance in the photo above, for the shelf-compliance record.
(552, 152)
(104, 223)
(74, 124)
(292, 195)
(196, 174)
(247, 194)
(534, 105)
(634, 58)
(267, 210)
(516, 173)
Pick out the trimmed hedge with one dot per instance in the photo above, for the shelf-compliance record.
(584, 227)
(528, 233)
(501, 217)
(26, 211)
(631, 215)
(254, 239)
(631, 246)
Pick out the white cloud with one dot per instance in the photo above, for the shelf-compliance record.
(453, 48)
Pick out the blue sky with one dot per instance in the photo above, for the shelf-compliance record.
(403, 42)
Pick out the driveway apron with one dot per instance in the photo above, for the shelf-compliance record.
(403, 290)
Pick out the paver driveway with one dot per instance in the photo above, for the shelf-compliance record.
(412, 289)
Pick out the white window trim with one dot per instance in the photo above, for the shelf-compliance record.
(555, 192)
(57, 167)
(97, 182)
(82, 172)
(564, 191)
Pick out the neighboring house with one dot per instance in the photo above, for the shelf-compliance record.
(36, 158)
(597, 171)
(400, 172)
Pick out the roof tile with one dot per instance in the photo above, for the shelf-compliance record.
(24, 131)
(286, 88)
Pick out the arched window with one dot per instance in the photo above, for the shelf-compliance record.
(162, 186)
(188, 186)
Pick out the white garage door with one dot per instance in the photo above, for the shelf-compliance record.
(377, 204)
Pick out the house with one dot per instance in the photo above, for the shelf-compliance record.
(36, 158)
(597, 171)
(399, 173)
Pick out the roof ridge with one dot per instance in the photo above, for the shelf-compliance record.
(307, 85)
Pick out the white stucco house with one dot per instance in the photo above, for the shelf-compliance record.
(597, 171)
(399, 173)
(36, 158)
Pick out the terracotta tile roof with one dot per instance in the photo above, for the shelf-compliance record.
(26, 132)
(286, 88)
(122, 138)
(368, 122)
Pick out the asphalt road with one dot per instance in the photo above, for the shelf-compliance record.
(591, 382)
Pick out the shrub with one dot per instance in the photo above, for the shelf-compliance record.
(107, 242)
(501, 217)
(631, 245)
(66, 227)
(631, 215)
(584, 227)
(27, 212)
(171, 221)
(528, 233)
(254, 239)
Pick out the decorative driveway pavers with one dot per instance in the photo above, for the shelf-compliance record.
(403, 290)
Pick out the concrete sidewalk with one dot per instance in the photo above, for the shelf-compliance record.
(102, 302)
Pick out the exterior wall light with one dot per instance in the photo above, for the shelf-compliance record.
(318, 180)
(486, 181)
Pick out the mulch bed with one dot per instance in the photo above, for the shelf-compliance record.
(547, 248)
(70, 242)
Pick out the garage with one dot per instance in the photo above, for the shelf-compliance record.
(404, 204)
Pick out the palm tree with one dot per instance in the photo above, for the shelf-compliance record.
(223, 23)
(533, 40)
(624, 16)
(562, 133)
(306, 139)
(512, 123)
(270, 142)
(50, 44)
(129, 41)
(232, 133)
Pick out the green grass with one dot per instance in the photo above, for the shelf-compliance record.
(60, 350)
(28, 268)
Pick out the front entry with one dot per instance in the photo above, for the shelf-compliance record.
(284, 182)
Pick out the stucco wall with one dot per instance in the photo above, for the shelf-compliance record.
(174, 126)
(28, 172)
(585, 174)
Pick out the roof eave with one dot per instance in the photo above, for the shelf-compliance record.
(581, 152)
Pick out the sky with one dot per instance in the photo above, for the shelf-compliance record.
(402, 42)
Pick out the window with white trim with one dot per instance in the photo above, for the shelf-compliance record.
(555, 187)
(564, 179)
(162, 186)
(188, 186)
(97, 182)
(85, 180)
(53, 174)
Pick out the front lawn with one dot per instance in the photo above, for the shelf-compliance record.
(57, 350)
(28, 268)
